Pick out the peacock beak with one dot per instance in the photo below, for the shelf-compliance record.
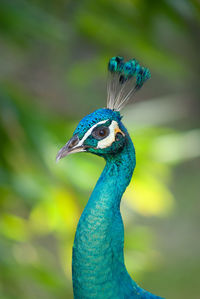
(72, 146)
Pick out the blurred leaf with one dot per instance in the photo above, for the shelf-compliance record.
(149, 197)
(14, 227)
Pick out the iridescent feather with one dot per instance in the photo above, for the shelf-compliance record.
(125, 78)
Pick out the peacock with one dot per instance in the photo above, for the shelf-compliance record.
(98, 267)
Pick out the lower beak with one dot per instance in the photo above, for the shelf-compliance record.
(71, 147)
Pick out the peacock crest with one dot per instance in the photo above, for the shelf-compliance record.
(124, 79)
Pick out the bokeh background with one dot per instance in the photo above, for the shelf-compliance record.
(53, 70)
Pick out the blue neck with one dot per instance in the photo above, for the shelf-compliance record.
(98, 257)
(98, 268)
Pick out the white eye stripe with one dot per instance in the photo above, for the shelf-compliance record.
(106, 142)
(88, 133)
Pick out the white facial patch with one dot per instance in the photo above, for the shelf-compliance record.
(89, 132)
(106, 142)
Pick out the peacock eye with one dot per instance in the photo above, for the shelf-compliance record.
(100, 132)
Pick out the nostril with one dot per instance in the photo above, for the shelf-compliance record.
(73, 142)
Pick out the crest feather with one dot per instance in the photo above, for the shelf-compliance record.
(125, 78)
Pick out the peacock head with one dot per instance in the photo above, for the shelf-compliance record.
(102, 132)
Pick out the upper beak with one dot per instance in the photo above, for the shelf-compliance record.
(72, 146)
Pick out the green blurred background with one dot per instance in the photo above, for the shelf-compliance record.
(53, 69)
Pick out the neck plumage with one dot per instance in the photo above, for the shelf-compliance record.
(98, 258)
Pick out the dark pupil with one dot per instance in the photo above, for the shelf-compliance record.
(102, 132)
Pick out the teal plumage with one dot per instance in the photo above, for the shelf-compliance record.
(124, 80)
(98, 268)
(128, 70)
